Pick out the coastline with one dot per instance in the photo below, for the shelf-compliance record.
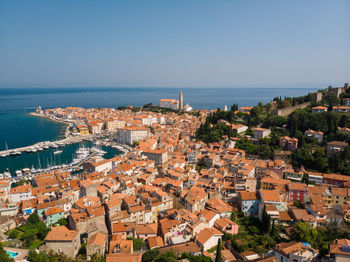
(52, 118)
(67, 137)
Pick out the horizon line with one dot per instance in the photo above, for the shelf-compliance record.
(298, 86)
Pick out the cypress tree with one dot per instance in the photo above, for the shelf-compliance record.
(218, 251)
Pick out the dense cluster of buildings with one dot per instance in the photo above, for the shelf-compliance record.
(157, 194)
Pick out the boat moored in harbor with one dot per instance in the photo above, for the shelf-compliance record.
(58, 152)
(18, 173)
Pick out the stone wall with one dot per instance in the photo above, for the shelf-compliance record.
(288, 110)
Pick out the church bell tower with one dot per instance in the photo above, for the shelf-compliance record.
(181, 101)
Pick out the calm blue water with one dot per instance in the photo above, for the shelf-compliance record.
(19, 129)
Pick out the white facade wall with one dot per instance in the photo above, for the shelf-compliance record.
(241, 129)
(172, 104)
(129, 136)
(20, 196)
(316, 179)
(114, 125)
(212, 221)
(212, 242)
(261, 133)
(149, 121)
(96, 129)
(104, 167)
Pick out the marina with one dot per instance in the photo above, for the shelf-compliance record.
(70, 157)
(40, 146)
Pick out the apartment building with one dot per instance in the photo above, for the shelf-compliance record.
(129, 135)
(261, 132)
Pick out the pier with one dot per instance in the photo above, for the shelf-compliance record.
(123, 148)
(67, 140)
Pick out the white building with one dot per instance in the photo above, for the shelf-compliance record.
(188, 108)
(147, 120)
(100, 165)
(261, 132)
(316, 178)
(239, 128)
(170, 103)
(20, 193)
(95, 129)
(130, 134)
(208, 238)
(112, 125)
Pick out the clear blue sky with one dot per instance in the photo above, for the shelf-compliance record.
(174, 43)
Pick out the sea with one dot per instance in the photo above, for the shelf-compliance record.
(18, 128)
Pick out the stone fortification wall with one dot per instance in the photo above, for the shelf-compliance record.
(288, 110)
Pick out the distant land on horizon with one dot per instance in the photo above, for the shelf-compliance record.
(283, 85)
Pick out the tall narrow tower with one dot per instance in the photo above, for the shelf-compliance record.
(181, 100)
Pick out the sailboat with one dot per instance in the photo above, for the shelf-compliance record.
(39, 169)
(5, 154)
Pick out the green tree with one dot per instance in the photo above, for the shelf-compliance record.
(42, 230)
(304, 232)
(138, 244)
(150, 255)
(234, 216)
(167, 257)
(34, 256)
(97, 258)
(82, 250)
(28, 237)
(33, 219)
(4, 257)
(193, 258)
(298, 204)
(234, 108)
(265, 151)
(266, 221)
(13, 233)
(218, 252)
(62, 221)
